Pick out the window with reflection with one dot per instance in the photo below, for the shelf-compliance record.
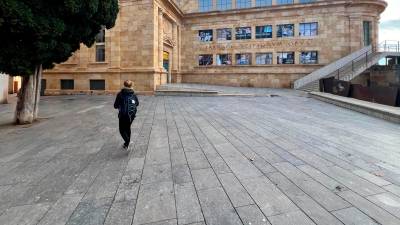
(285, 58)
(308, 29)
(263, 32)
(285, 30)
(224, 59)
(205, 35)
(100, 46)
(243, 33)
(243, 4)
(310, 57)
(224, 34)
(205, 5)
(243, 59)
(224, 4)
(260, 3)
(264, 58)
(307, 1)
(205, 60)
(284, 2)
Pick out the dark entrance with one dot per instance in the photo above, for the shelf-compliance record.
(43, 87)
(367, 33)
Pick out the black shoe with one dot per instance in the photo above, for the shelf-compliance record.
(125, 147)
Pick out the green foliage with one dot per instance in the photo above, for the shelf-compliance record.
(35, 32)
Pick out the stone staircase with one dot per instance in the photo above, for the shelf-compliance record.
(346, 68)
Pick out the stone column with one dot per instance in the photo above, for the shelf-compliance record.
(274, 2)
(3, 88)
(160, 39)
(175, 52)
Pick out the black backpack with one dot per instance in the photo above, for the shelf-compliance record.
(128, 106)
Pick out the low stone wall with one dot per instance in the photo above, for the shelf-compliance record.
(244, 80)
(145, 83)
(386, 76)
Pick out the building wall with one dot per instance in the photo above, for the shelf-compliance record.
(145, 29)
(3, 88)
(340, 32)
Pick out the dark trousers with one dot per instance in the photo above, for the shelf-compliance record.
(125, 123)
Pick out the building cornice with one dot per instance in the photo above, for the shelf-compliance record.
(297, 6)
(173, 6)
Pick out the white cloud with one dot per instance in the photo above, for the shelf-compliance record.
(392, 11)
(391, 14)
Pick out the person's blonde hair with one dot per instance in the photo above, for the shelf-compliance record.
(128, 84)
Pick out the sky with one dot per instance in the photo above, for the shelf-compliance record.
(390, 22)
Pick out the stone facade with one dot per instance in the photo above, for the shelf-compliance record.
(157, 41)
(3, 88)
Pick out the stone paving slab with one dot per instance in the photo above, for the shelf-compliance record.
(287, 160)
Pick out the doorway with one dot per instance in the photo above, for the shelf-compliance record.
(166, 65)
(43, 87)
(367, 33)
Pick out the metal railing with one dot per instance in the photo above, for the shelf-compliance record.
(360, 61)
(389, 46)
(350, 68)
(363, 61)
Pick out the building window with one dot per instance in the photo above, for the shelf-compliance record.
(285, 30)
(224, 34)
(97, 85)
(285, 58)
(308, 29)
(205, 60)
(264, 58)
(224, 59)
(101, 46)
(224, 4)
(67, 84)
(243, 33)
(243, 4)
(284, 2)
(367, 33)
(243, 59)
(306, 1)
(205, 35)
(309, 57)
(263, 3)
(263, 32)
(205, 5)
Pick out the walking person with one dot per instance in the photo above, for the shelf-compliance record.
(126, 103)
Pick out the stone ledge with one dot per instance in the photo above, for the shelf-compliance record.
(388, 113)
(202, 93)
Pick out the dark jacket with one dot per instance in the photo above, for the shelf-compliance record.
(121, 95)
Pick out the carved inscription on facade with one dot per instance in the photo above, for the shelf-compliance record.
(290, 44)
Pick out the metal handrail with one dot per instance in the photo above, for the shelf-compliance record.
(389, 46)
(350, 67)
(365, 59)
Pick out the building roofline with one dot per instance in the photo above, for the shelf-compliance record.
(285, 7)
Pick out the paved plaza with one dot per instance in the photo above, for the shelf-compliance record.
(283, 160)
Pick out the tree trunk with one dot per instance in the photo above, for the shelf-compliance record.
(38, 86)
(28, 98)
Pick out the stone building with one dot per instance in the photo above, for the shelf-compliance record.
(3, 88)
(251, 43)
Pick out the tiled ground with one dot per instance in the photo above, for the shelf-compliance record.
(286, 160)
